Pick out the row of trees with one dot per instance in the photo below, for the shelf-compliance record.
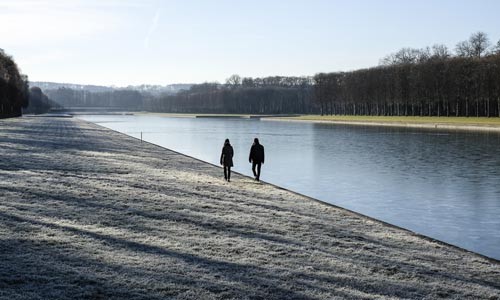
(118, 99)
(431, 81)
(39, 103)
(419, 82)
(14, 93)
(270, 95)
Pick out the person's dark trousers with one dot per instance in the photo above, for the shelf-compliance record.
(256, 174)
(227, 173)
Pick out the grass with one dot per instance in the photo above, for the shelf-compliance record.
(426, 120)
(493, 121)
(88, 213)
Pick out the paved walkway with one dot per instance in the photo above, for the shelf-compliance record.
(87, 213)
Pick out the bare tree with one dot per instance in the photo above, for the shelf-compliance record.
(464, 49)
(247, 82)
(496, 49)
(479, 43)
(406, 56)
(388, 60)
(233, 81)
(422, 55)
(440, 51)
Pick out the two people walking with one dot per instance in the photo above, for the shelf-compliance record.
(256, 158)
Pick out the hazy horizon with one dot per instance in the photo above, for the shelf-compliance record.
(113, 86)
(121, 43)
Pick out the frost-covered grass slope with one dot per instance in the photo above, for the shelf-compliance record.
(87, 213)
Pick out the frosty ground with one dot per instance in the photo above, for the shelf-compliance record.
(88, 213)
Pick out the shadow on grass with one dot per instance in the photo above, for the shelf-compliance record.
(63, 269)
(238, 279)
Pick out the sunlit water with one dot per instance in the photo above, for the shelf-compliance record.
(442, 184)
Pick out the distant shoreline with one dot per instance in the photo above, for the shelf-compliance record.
(423, 125)
(480, 124)
(436, 123)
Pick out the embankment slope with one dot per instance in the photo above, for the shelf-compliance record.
(88, 213)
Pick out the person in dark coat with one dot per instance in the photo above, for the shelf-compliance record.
(226, 159)
(256, 157)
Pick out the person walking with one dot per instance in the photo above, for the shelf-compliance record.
(256, 157)
(226, 159)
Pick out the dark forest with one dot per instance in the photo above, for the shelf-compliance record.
(14, 93)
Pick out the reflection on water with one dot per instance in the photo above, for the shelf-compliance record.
(442, 184)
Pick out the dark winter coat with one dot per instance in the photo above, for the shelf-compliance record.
(226, 157)
(256, 153)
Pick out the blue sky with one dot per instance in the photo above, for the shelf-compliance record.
(161, 42)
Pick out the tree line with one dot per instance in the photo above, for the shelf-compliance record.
(14, 93)
(16, 97)
(39, 102)
(118, 99)
(432, 81)
(419, 82)
(269, 95)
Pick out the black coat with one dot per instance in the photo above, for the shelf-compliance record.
(226, 157)
(256, 153)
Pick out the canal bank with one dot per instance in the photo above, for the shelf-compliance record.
(486, 127)
(88, 212)
(481, 124)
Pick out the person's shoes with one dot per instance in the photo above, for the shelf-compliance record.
(229, 180)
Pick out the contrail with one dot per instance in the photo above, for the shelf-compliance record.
(152, 29)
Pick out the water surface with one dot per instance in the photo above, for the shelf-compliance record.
(442, 184)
